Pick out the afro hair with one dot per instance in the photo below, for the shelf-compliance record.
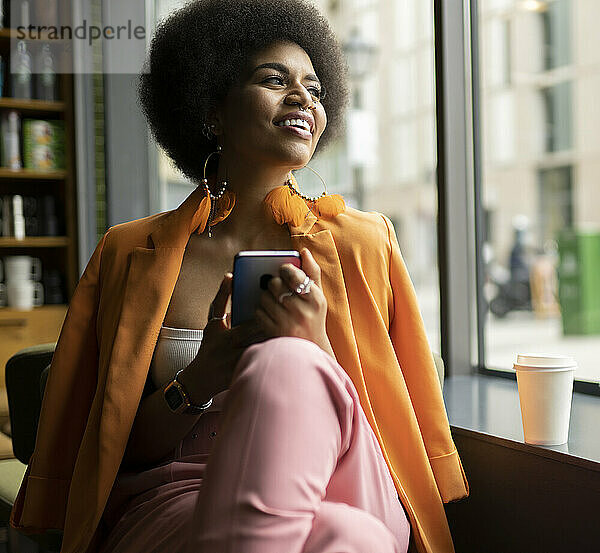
(199, 51)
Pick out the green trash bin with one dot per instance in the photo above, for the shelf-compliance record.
(579, 281)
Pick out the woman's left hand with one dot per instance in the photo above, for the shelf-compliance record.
(299, 315)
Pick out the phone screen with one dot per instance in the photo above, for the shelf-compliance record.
(252, 271)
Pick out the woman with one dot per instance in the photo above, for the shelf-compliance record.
(298, 431)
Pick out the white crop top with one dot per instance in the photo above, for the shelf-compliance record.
(175, 349)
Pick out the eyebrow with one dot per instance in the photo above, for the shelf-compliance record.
(283, 69)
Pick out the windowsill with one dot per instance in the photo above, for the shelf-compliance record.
(487, 407)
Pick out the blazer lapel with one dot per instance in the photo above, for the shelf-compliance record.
(339, 322)
(150, 283)
(151, 279)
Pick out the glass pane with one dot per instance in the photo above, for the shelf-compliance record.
(540, 168)
(386, 161)
(173, 187)
(390, 145)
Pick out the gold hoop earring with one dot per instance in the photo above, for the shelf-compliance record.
(216, 206)
(289, 205)
(308, 198)
(325, 205)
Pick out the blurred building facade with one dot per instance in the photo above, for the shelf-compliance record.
(540, 75)
(391, 144)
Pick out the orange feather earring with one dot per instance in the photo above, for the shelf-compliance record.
(285, 203)
(288, 205)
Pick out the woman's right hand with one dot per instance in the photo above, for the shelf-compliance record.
(211, 371)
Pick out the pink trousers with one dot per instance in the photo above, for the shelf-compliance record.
(296, 468)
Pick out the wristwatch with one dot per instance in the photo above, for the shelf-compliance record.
(178, 399)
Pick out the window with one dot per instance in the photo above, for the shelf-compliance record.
(556, 202)
(540, 244)
(171, 186)
(557, 103)
(556, 23)
(498, 52)
(397, 172)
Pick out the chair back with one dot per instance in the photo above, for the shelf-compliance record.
(23, 387)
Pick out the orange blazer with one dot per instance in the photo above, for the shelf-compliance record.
(106, 344)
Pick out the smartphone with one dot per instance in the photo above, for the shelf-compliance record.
(252, 271)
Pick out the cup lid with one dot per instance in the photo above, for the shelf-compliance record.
(537, 360)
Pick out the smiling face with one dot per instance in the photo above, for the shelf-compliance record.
(277, 82)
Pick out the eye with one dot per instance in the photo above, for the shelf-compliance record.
(316, 93)
(275, 77)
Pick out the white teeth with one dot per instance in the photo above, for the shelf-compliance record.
(294, 122)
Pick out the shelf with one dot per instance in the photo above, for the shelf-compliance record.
(8, 312)
(35, 242)
(36, 106)
(6, 173)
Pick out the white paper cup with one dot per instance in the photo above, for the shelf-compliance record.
(545, 385)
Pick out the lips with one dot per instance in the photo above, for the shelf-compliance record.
(298, 131)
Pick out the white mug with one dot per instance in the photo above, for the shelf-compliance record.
(24, 294)
(22, 267)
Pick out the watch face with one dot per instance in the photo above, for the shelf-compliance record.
(173, 398)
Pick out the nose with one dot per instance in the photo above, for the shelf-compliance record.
(299, 95)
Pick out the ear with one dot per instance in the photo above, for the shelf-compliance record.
(214, 121)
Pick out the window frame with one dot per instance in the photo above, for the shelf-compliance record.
(461, 217)
(456, 191)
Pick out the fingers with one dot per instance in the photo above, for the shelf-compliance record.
(269, 299)
(274, 314)
(270, 327)
(293, 276)
(278, 287)
(246, 333)
(219, 303)
(310, 266)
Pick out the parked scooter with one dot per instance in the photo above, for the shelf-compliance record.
(512, 296)
(512, 289)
